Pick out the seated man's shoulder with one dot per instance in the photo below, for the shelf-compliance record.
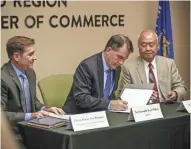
(5, 76)
(131, 62)
(4, 67)
(90, 61)
(4, 71)
(165, 59)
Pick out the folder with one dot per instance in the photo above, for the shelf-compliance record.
(47, 122)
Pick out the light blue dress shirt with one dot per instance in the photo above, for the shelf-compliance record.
(18, 72)
(105, 68)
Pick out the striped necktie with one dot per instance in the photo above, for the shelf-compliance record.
(155, 98)
(26, 90)
(107, 85)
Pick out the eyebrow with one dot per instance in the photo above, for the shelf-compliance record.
(120, 56)
(147, 42)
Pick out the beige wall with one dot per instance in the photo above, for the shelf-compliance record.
(60, 50)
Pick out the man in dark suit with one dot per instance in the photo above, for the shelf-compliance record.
(96, 79)
(18, 84)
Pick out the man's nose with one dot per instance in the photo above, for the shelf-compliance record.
(34, 57)
(121, 62)
(148, 47)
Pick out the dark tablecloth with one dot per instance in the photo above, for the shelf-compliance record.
(170, 132)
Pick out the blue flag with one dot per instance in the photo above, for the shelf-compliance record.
(164, 30)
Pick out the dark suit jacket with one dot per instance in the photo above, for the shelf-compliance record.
(86, 94)
(12, 96)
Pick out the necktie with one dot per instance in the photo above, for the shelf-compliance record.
(26, 90)
(107, 85)
(155, 98)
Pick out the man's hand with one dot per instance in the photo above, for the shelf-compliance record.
(172, 96)
(39, 114)
(118, 105)
(54, 110)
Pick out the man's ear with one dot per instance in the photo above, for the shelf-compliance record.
(108, 50)
(16, 56)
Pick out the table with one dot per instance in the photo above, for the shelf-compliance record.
(170, 132)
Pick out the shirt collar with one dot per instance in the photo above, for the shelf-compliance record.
(146, 64)
(105, 66)
(18, 72)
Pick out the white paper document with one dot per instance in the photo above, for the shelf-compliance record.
(65, 117)
(135, 97)
(187, 105)
(125, 111)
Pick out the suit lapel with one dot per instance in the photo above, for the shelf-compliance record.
(100, 73)
(31, 88)
(141, 71)
(116, 73)
(18, 83)
(115, 76)
(160, 69)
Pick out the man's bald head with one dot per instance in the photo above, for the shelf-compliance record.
(148, 32)
(148, 45)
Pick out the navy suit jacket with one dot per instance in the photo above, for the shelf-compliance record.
(86, 94)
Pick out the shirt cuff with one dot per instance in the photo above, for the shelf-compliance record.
(176, 95)
(27, 116)
(108, 107)
(42, 107)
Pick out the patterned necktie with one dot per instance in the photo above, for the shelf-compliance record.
(107, 85)
(155, 97)
(26, 90)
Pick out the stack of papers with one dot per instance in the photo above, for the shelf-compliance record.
(64, 116)
(48, 122)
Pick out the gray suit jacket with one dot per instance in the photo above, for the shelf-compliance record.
(86, 94)
(169, 78)
(12, 96)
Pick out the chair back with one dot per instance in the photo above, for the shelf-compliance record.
(54, 89)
